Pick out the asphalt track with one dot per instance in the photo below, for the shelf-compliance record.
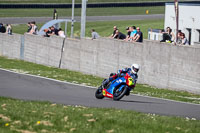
(24, 20)
(29, 87)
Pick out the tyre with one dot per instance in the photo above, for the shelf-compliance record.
(99, 93)
(117, 95)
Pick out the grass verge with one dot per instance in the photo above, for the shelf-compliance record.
(43, 117)
(48, 12)
(80, 78)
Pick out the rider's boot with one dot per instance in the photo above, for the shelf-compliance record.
(127, 93)
(105, 83)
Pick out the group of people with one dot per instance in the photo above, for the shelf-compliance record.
(32, 28)
(7, 29)
(169, 36)
(133, 34)
(54, 31)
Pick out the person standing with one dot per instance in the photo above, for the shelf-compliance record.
(9, 29)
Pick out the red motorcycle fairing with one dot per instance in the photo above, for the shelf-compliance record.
(107, 94)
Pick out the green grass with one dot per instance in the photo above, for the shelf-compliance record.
(105, 28)
(70, 1)
(44, 117)
(80, 78)
(90, 11)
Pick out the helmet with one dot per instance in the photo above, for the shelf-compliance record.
(135, 68)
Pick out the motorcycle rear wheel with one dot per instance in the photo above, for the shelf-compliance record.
(117, 95)
(99, 93)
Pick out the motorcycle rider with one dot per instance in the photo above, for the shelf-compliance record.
(132, 72)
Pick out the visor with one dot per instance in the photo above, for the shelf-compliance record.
(136, 70)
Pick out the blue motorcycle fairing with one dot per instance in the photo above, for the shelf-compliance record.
(115, 83)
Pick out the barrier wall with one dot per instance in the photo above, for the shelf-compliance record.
(10, 45)
(43, 50)
(162, 65)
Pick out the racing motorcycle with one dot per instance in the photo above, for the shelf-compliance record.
(116, 89)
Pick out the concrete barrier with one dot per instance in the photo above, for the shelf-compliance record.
(43, 50)
(10, 45)
(162, 65)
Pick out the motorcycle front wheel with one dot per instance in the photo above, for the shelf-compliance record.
(118, 94)
(99, 93)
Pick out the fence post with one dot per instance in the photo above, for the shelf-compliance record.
(22, 48)
(83, 18)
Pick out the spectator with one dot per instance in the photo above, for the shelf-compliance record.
(47, 32)
(133, 33)
(61, 33)
(29, 27)
(34, 29)
(95, 35)
(54, 31)
(9, 29)
(2, 28)
(139, 36)
(184, 40)
(179, 37)
(128, 33)
(114, 31)
(168, 35)
(119, 35)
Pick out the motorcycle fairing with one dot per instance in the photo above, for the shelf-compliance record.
(109, 91)
(129, 81)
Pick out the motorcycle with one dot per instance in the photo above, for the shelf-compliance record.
(116, 89)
